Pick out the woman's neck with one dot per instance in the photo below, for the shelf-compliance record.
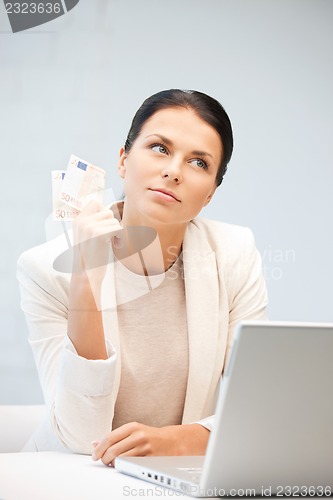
(148, 248)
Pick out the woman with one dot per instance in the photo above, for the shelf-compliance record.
(130, 353)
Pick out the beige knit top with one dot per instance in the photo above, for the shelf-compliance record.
(154, 347)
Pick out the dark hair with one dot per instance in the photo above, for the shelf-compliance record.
(203, 105)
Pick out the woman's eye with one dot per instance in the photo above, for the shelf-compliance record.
(159, 148)
(200, 163)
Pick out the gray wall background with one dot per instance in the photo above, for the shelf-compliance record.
(73, 85)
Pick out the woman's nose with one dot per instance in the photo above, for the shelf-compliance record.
(173, 170)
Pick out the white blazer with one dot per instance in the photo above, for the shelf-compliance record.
(223, 284)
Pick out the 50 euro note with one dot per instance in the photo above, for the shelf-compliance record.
(73, 188)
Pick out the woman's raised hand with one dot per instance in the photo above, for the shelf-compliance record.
(93, 230)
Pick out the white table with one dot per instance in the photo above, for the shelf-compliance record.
(65, 476)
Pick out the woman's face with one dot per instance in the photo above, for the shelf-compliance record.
(169, 173)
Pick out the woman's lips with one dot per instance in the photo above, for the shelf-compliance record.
(167, 195)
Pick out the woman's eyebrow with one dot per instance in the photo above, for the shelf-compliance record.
(170, 143)
(202, 153)
(162, 137)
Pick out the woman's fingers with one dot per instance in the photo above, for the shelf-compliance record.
(93, 230)
(131, 439)
(94, 220)
(136, 439)
(129, 446)
(91, 207)
(111, 439)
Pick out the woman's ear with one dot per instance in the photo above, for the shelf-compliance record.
(210, 196)
(121, 163)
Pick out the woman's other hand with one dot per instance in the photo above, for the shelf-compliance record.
(135, 439)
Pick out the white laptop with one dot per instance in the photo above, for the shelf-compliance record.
(273, 430)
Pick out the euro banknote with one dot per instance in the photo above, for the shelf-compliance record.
(73, 188)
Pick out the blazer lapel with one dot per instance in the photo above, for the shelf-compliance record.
(202, 305)
(109, 303)
(110, 319)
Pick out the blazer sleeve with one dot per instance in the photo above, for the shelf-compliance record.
(78, 392)
(246, 289)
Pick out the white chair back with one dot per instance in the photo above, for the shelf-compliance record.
(17, 423)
